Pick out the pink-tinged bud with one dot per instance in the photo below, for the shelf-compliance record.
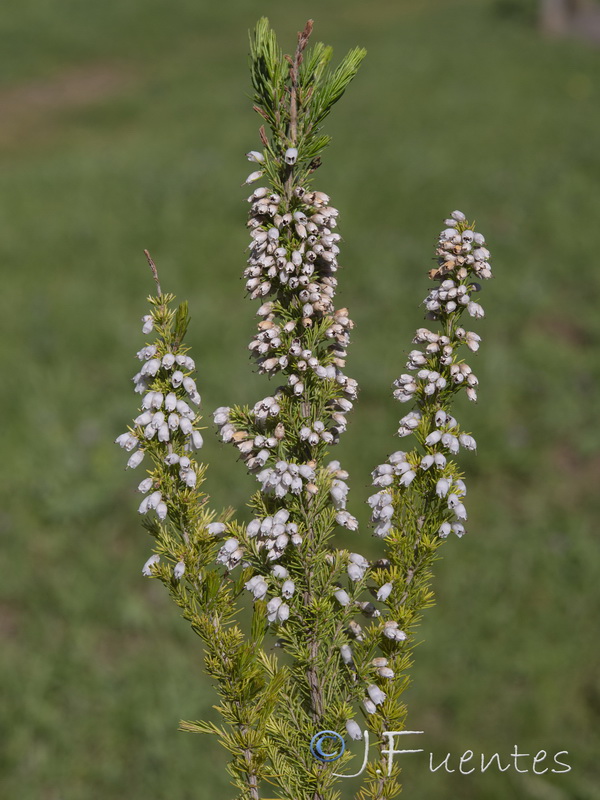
(471, 394)
(475, 310)
(385, 672)
(148, 323)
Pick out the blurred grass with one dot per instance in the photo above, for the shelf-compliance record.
(124, 127)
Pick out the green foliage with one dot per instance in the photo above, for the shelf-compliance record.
(326, 89)
(268, 72)
(295, 97)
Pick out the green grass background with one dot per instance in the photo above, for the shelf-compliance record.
(123, 126)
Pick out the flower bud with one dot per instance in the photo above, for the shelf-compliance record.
(346, 653)
(442, 486)
(370, 706)
(385, 672)
(354, 731)
(179, 570)
(342, 597)
(135, 459)
(197, 440)
(216, 528)
(254, 176)
(384, 591)
(147, 568)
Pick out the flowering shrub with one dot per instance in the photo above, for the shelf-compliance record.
(342, 625)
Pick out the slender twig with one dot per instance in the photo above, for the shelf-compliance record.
(152, 266)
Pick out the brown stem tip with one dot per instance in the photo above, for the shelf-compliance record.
(152, 266)
(304, 35)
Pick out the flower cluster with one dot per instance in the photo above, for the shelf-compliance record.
(291, 268)
(293, 257)
(285, 477)
(272, 265)
(167, 425)
(259, 588)
(461, 252)
(273, 534)
(436, 373)
(230, 553)
(315, 433)
(165, 415)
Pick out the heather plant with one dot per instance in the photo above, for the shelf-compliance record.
(327, 643)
